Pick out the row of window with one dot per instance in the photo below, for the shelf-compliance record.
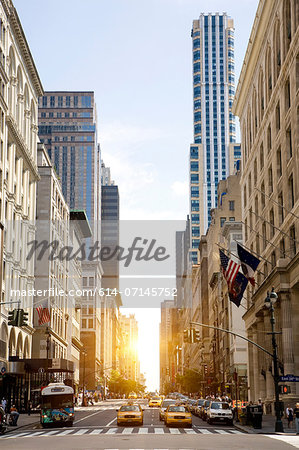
(66, 139)
(66, 115)
(60, 101)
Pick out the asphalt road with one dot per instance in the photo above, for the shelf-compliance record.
(95, 428)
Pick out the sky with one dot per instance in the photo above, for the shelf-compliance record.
(137, 57)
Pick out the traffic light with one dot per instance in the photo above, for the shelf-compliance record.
(13, 317)
(284, 389)
(205, 368)
(22, 318)
(196, 335)
(187, 335)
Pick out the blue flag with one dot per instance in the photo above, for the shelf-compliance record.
(237, 289)
(249, 263)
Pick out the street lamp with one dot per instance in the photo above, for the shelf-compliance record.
(270, 302)
(83, 381)
(48, 334)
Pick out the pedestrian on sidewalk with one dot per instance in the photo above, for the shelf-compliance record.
(3, 404)
(296, 414)
(290, 416)
(29, 407)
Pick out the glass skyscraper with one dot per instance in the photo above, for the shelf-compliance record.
(212, 153)
(67, 127)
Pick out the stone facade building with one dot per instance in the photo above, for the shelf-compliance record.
(20, 88)
(267, 103)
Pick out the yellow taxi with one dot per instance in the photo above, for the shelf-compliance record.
(132, 395)
(130, 414)
(155, 401)
(177, 415)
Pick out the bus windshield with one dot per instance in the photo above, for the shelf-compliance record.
(57, 401)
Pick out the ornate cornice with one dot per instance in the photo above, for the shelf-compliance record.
(17, 29)
(21, 143)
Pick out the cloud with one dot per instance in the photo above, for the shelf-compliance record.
(180, 188)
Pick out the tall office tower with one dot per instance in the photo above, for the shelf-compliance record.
(110, 277)
(214, 124)
(67, 127)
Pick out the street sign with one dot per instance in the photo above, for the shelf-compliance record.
(290, 378)
(41, 370)
(3, 370)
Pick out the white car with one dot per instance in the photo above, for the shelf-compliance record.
(219, 412)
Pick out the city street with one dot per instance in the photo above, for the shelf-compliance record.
(95, 427)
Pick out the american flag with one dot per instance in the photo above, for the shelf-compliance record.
(43, 315)
(229, 268)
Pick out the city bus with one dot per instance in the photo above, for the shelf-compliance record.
(57, 405)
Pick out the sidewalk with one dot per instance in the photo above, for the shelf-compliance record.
(268, 426)
(25, 420)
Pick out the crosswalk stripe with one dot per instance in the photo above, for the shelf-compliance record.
(50, 433)
(221, 432)
(14, 436)
(204, 431)
(159, 430)
(79, 432)
(235, 431)
(63, 433)
(128, 430)
(190, 431)
(97, 431)
(143, 431)
(112, 431)
(174, 431)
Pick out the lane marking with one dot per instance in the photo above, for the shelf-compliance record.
(113, 420)
(112, 431)
(127, 430)
(174, 431)
(97, 431)
(82, 431)
(143, 431)
(14, 436)
(86, 417)
(204, 431)
(63, 433)
(159, 430)
(189, 431)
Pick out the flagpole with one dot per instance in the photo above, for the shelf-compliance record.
(234, 334)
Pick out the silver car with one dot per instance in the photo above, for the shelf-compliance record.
(166, 402)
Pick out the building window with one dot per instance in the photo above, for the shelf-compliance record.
(231, 205)
(293, 241)
(278, 163)
(232, 219)
(271, 220)
(52, 101)
(291, 192)
(263, 196)
(287, 95)
(90, 323)
(84, 281)
(222, 221)
(289, 143)
(282, 248)
(270, 180)
(273, 259)
(45, 100)
(277, 117)
(245, 196)
(262, 156)
(264, 235)
(280, 208)
(269, 138)
(68, 100)
(60, 101)
(84, 321)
